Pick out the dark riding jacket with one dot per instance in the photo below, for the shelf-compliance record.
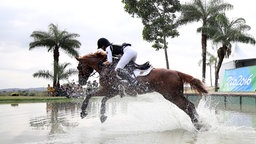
(116, 50)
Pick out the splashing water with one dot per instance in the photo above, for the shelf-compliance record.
(224, 126)
(152, 119)
(217, 118)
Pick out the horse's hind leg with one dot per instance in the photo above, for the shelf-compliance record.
(83, 114)
(188, 108)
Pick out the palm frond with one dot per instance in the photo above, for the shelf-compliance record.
(43, 74)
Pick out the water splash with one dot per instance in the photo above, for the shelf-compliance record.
(221, 119)
(223, 126)
(150, 119)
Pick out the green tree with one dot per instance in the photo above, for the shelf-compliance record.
(158, 18)
(54, 40)
(200, 10)
(225, 32)
(61, 71)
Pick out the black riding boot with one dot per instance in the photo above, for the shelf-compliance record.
(126, 75)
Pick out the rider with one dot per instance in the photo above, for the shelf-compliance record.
(127, 54)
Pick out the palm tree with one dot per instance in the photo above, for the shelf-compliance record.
(212, 60)
(199, 10)
(225, 32)
(62, 73)
(54, 40)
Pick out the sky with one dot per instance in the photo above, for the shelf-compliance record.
(93, 19)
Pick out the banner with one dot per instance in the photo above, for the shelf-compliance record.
(239, 80)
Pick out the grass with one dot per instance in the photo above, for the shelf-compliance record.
(29, 99)
(42, 96)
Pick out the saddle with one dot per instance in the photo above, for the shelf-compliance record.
(144, 66)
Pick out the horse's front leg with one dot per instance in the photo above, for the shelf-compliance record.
(83, 113)
(99, 92)
(103, 108)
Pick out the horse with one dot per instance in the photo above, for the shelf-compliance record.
(169, 83)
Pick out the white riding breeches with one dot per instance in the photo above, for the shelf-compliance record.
(129, 55)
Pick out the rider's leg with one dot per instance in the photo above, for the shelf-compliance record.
(127, 76)
(129, 55)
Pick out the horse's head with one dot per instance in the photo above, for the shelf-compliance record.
(87, 64)
(84, 71)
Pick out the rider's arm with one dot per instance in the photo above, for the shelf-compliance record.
(109, 54)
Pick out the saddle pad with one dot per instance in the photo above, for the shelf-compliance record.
(138, 72)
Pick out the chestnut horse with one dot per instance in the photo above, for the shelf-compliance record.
(169, 83)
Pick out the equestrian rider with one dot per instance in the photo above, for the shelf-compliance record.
(127, 54)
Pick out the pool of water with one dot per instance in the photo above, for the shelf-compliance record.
(146, 119)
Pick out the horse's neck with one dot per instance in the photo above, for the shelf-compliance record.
(108, 71)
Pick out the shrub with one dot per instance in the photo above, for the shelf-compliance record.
(15, 94)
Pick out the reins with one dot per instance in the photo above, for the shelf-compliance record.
(92, 74)
(99, 65)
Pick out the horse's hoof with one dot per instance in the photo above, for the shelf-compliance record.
(83, 114)
(201, 127)
(103, 118)
(198, 126)
(121, 93)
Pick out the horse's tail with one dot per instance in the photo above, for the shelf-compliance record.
(195, 83)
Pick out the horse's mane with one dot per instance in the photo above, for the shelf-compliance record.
(95, 54)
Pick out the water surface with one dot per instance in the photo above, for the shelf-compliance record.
(146, 119)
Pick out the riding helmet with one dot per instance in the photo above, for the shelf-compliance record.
(103, 42)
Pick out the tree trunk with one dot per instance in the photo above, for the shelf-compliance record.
(211, 75)
(221, 55)
(204, 45)
(55, 64)
(166, 54)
